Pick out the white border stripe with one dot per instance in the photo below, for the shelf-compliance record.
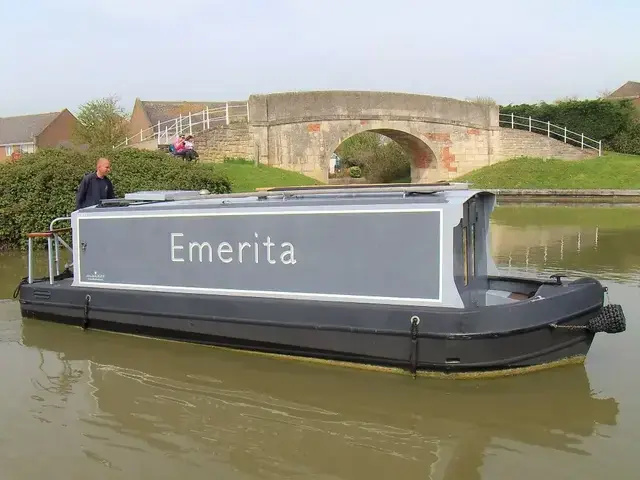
(256, 211)
(257, 293)
(328, 297)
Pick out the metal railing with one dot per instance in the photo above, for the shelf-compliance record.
(53, 238)
(190, 124)
(510, 120)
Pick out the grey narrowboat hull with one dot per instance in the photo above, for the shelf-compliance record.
(531, 332)
(396, 276)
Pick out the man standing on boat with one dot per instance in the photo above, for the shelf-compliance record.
(95, 186)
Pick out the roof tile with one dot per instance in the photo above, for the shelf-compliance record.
(24, 128)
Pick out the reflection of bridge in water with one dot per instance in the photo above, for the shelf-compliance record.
(552, 243)
(592, 250)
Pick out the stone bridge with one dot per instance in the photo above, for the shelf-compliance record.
(445, 137)
(300, 131)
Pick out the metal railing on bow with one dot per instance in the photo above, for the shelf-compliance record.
(190, 124)
(509, 120)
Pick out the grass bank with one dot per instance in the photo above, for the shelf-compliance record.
(245, 176)
(611, 171)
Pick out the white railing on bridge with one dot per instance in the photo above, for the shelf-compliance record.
(510, 120)
(192, 123)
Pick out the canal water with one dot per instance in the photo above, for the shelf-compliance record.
(78, 405)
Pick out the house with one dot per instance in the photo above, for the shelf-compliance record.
(630, 90)
(149, 117)
(27, 133)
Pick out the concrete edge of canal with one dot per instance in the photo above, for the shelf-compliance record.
(568, 195)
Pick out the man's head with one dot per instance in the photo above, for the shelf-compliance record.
(103, 167)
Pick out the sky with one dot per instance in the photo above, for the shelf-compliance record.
(63, 53)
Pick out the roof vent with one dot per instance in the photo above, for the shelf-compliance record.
(165, 195)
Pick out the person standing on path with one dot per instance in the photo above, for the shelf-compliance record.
(95, 186)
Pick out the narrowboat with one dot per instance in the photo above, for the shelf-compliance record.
(391, 276)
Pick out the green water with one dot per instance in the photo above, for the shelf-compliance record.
(96, 405)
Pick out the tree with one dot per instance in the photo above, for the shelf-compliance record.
(380, 159)
(101, 123)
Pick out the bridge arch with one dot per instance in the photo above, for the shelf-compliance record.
(423, 157)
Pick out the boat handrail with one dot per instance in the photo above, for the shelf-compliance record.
(56, 220)
(48, 233)
(308, 191)
(53, 236)
(373, 187)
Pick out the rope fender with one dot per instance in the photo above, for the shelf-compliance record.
(610, 319)
(85, 321)
(413, 354)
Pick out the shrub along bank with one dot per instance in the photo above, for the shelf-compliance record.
(366, 154)
(40, 187)
(615, 122)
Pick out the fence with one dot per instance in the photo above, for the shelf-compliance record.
(193, 123)
(509, 120)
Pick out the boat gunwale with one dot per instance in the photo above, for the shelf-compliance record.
(437, 311)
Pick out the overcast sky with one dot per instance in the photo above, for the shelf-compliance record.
(62, 53)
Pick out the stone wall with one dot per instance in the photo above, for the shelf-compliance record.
(222, 141)
(522, 143)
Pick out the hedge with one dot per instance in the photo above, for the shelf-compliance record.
(615, 122)
(40, 187)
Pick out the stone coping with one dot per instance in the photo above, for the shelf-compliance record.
(547, 192)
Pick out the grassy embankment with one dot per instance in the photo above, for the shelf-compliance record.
(611, 171)
(246, 177)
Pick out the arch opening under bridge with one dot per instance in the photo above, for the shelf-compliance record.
(417, 161)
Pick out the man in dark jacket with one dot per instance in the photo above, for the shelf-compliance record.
(95, 186)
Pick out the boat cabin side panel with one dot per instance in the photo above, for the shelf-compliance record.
(386, 255)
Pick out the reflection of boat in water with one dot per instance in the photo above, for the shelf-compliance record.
(419, 291)
(309, 418)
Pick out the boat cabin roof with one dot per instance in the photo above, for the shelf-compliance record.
(439, 194)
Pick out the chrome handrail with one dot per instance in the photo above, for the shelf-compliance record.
(53, 236)
(59, 241)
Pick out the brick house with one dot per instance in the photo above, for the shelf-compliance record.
(629, 90)
(27, 133)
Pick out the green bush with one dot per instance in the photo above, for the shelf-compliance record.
(380, 162)
(391, 163)
(612, 121)
(627, 141)
(355, 172)
(42, 186)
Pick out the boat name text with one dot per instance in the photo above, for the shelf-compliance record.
(203, 251)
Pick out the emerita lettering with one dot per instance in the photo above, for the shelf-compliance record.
(227, 252)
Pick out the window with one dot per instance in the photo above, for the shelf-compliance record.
(28, 148)
(19, 148)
